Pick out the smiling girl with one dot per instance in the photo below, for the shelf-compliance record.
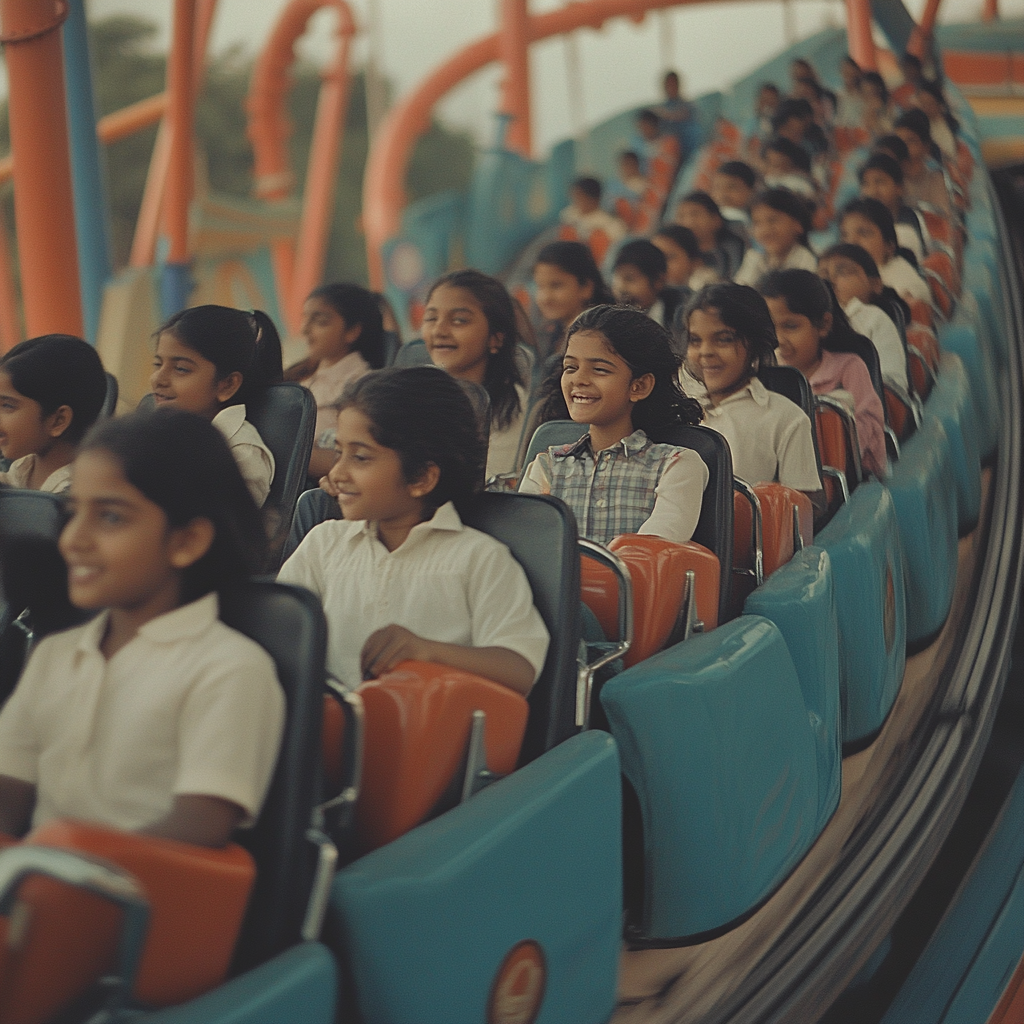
(51, 391)
(620, 376)
(211, 360)
(780, 220)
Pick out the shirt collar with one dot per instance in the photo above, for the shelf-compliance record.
(21, 469)
(635, 443)
(190, 620)
(753, 389)
(446, 518)
(229, 421)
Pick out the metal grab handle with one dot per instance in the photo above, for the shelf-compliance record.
(744, 489)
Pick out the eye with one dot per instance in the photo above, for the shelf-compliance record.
(108, 517)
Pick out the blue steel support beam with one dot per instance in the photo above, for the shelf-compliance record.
(86, 170)
(895, 21)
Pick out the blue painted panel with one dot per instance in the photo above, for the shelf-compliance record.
(952, 403)
(715, 739)
(983, 928)
(799, 599)
(961, 338)
(299, 986)
(425, 923)
(923, 489)
(864, 547)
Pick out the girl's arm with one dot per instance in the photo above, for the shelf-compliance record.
(17, 800)
(387, 647)
(678, 500)
(536, 479)
(321, 461)
(200, 820)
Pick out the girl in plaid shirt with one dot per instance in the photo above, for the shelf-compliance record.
(620, 376)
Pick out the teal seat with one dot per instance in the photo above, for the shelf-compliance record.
(864, 547)
(798, 597)
(962, 339)
(298, 986)
(715, 740)
(923, 489)
(424, 924)
(952, 403)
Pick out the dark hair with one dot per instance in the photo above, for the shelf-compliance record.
(891, 144)
(787, 202)
(848, 59)
(912, 59)
(934, 89)
(884, 163)
(683, 237)
(502, 374)
(768, 85)
(797, 155)
(576, 258)
(916, 121)
(792, 107)
(645, 347)
(356, 305)
(876, 212)
(738, 169)
(424, 415)
(590, 187)
(744, 310)
(235, 342)
(875, 79)
(645, 256)
(630, 154)
(182, 463)
(56, 370)
(701, 199)
(648, 117)
(670, 75)
(857, 253)
(803, 62)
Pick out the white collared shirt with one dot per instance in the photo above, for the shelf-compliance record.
(757, 263)
(770, 437)
(187, 707)
(20, 472)
(254, 458)
(326, 385)
(874, 323)
(447, 582)
(907, 282)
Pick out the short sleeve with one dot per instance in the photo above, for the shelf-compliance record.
(537, 479)
(230, 730)
(798, 466)
(257, 470)
(750, 269)
(678, 498)
(502, 612)
(304, 567)
(887, 341)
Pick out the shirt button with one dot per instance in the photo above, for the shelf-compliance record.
(601, 502)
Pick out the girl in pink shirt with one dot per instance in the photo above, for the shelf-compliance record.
(808, 324)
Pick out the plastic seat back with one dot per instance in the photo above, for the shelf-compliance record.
(657, 569)
(792, 384)
(551, 434)
(417, 730)
(288, 622)
(540, 531)
(943, 281)
(865, 349)
(110, 399)
(840, 449)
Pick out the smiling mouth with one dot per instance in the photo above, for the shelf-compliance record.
(162, 398)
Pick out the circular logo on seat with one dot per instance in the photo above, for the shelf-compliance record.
(518, 988)
(889, 610)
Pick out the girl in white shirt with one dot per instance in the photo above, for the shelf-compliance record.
(780, 220)
(51, 391)
(211, 360)
(400, 577)
(154, 717)
(471, 330)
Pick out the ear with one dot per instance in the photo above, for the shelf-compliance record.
(59, 420)
(641, 387)
(226, 388)
(826, 326)
(658, 284)
(427, 481)
(352, 333)
(190, 542)
(589, 294)
(495, 342)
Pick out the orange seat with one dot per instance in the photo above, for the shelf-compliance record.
(943, 280)
(921, 313)
(657, 569)
(197, 899)
(838, 446)
(417, 723)
(898, 415)
(332, 737)
(923, 348)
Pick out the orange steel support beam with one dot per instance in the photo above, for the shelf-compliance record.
(10, 329)
(39, 140)
(514, 45)
(858, 28)
(384, 179)
(298, 266)
(181, 114)
(990, 11)
(923, 31)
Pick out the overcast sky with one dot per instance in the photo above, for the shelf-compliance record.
(621, 65)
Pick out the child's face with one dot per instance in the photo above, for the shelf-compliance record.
(876, 184)
(120, 550)
(583, 202)
(328, 335)
(23, 427)
(729, 191)
(849, 280)
(597, 385)
(859, 230)
(701, 221)
(799, 340)
(777, 164)
(850, 74)
(915, 146)
(629, 167)
(767, 101)
(457, 334)
(716, 355)
(183, 379)
(680, 265)
(559, 295)
(776, 232)
(793, 129)
(369, 478)
(871, 94)
(632, 287)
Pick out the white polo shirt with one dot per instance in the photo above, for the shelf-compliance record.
(901, 276)
(20, 472)
(769, 436)
(875, 324)
(187, 707)
(447, 582)
(253, 457)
